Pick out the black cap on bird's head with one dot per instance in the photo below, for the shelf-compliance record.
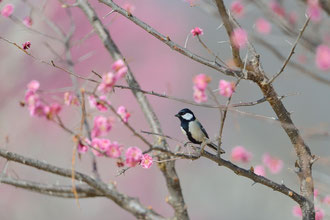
(185, 115)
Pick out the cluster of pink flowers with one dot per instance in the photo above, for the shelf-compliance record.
(226, 88)
(200, 84)
(263, 26)
(322, 58)
(240, 154)
(101, 104)
(102, 146)
(197, 31)
(35, 106)
(134, 156)
(274, 164)
(239, 37)
(237, 8)
(124, 114)
(102, 125)
(109, 79)
(314, 10)
(7, 10)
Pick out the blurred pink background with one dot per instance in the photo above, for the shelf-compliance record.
(210, 192)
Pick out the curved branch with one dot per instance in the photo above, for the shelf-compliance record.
(64, 191)
(130, 204)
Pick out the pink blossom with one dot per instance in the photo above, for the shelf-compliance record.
(27, 21)
(7, 10)
(118, 65)
(102, 126)
(239, 37)
(101, 105)
(129, 7)
(197, 31)
(26, 45)
(274, 165)
(70, 99)
(326, 199)
(83, 146)
(199, 95)
(314, 10)
(146, 161)
(226, 88)
(277, 8)
(296, 211)
(108, 81)
(52, 110)
(237, 8)
(133, 156)
(322, 57)
(260, 170)
(240, 154)
(122, 111)
(263, 26)
(33, 85)
(114, 150)
(319, 214)
(201, 81)
(120, 68)
(31, 98)
(38, 109)
(102, 145)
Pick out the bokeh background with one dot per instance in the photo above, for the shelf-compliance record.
(210, 192)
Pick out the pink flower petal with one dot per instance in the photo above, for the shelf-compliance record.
(196, 31)
(260, 170)
(263, 26)
(240, 154)
(322, 57)
(239, 37)
(7, 10)
(237, 8)
(133, 156)
(226, 88)
(146, 161)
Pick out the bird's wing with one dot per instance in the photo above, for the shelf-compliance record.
(203, 130)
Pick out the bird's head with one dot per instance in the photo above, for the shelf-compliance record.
(185, 115)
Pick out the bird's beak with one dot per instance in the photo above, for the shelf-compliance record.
(177, 115)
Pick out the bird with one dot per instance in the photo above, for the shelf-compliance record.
(193, 129)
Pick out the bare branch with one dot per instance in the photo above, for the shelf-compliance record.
(64, 191)
(130, 204)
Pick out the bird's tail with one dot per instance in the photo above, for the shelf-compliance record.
(215, 147)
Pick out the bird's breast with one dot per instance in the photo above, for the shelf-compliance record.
(196, 132)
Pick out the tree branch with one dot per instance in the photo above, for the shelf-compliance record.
(176, 199)
(130, 204)
(64, 191)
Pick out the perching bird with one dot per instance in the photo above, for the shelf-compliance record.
(193, 129)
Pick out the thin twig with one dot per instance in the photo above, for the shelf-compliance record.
(291, 52)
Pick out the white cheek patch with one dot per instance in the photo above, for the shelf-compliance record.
(187, 116)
